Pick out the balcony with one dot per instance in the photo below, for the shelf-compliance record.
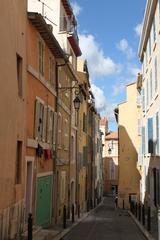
(74, 42)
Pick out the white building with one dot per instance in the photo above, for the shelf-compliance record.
(149, 54)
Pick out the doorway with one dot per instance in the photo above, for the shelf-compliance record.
(29, 179)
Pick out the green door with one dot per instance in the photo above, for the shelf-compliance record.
(44, 201)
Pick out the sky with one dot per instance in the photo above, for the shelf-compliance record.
(109, 34)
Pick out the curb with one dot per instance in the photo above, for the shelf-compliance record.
(60, 235)
(143, 230)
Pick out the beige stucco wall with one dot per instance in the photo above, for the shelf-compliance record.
(112, 157)
(12, 108)
(129, 176)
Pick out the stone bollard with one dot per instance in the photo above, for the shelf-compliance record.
(136, 210)
(123, 205)
(64, 216)
(159, 224)
(72, 213)
(30, 226)
(143, 215)
(78, 210)
(149, 219)
(139, 212)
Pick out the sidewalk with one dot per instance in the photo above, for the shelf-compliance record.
(57, 232)
(153, 234)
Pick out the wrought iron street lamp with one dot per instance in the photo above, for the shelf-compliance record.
(76, 102)
(109, 150)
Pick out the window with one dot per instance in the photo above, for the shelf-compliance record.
(59, 130)
(19, 74)
(150, 135)
(73, 149)
(138, 98)
(150, 46)
(147, 55)
(111, 170)
(66, 135)
(84, 122)
(143, 99)
(159, 8)
(49, 125)
(139, 127)
(63, 186)
(151, 87)
(154, 29)
(143, 140)
(155, 70)
(41, 58)
(157, 133)
(63, 23)
(67, 91)
(147, 92)
(18, 162)
(39, 119)
(52, 71)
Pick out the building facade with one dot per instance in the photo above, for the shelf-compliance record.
(55, 157)
(149, 49)
(110, 164)
(129, 142)
(13, 114)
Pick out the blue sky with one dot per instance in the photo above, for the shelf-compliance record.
(109, 37)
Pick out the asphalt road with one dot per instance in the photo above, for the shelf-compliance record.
(106, 223)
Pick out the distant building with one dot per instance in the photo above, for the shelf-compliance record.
(110, 164)
(104, 130)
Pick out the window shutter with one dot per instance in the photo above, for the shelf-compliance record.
(54, 128)
(44, 124)
(150, 135)
(48, 124)
(157, 133)
(37, 112)
(143, 141)
(40, 121)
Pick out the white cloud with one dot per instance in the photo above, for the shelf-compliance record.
(100, 99)
(118, 88)
(133, 70)
(103, 106)
(124, 47)
(98, 63)
(76, 8)
(138, 29)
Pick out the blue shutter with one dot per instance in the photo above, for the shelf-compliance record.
(150, 135)
(154, 29)
(143, 140)
(157, 133)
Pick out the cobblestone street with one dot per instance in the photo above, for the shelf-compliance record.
(106, 222)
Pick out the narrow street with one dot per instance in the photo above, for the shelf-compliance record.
(106, 222)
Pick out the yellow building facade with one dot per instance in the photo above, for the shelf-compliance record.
(129, 141)
(84, 84)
